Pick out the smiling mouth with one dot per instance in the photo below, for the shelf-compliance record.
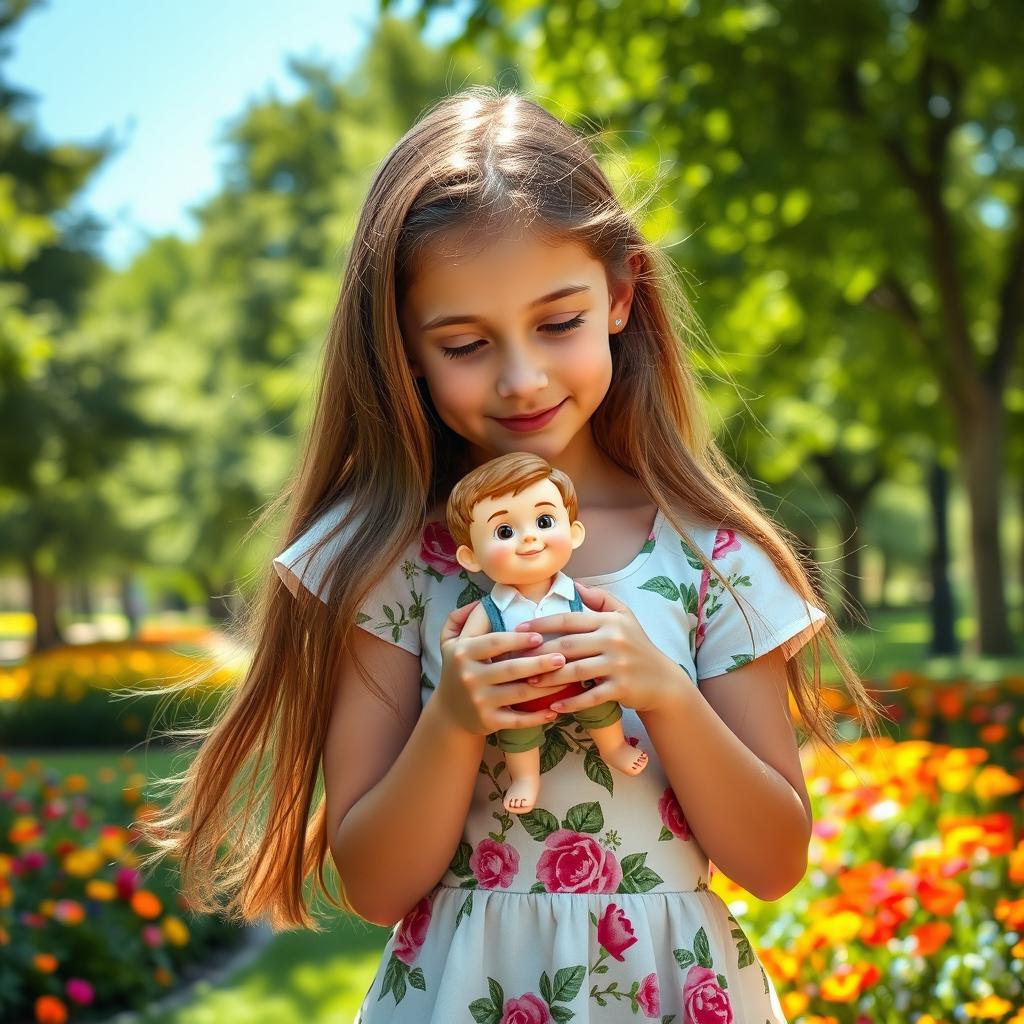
(537, 552)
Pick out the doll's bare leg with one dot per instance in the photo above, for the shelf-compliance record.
(611, 742)
(524, 767)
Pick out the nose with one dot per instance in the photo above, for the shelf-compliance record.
(521, 376)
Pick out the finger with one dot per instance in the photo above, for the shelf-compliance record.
(515, 669)
(563, 622)
(599, 600)
(594, 696)
(582, 669)
(523, 719)
(456, 620)
(491, 644)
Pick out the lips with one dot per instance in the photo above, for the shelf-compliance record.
(533, 422)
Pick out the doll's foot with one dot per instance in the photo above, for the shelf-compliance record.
(522, 795)
(627, 759)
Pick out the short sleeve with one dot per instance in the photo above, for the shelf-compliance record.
(777, 614)
(392, 609)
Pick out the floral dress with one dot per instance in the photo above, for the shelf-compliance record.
(595, 906)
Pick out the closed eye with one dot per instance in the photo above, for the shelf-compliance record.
(556, 328)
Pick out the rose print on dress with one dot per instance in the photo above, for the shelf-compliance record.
(614, 932)
(437, 549)
(409, 939)
(531, 1008)
(704, 998)
(673, 822)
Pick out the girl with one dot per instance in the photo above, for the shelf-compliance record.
(498, 298)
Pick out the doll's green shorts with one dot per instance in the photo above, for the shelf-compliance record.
(597, 717)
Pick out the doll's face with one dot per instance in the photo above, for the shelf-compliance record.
(522, 538)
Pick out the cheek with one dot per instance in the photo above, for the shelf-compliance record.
(453, 393)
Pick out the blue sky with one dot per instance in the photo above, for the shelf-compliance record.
(160, 79)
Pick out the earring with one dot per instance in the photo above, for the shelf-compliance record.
(618, 323)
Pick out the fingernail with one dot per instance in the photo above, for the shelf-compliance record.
(557, 707)
(535, 638)
(558, 659)
(550, 716)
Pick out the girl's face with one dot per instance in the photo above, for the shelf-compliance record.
(520, 326)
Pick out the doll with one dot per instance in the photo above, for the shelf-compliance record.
(514, 518)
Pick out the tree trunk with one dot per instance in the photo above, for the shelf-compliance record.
(942, 608)
(43, 598)
(131, 604)
(883, 583)
(981, 449)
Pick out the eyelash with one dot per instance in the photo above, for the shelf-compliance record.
(557, 328)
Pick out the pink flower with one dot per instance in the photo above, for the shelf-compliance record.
(152, 936)
(527, 1009)
(575, 863)
(615, 931)
(79, 991)
(704, 1002)
(725, 541)
(494, 864)
(127, 881)
(412, 932)
(54, 809)
(672, 814)
(649, 996)
(438, 548)
(33, 860)
(79, 819)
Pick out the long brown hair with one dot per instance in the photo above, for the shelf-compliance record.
(239, 816)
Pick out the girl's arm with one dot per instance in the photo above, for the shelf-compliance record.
(400, 787)
(730, 754)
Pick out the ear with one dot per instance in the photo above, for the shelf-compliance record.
(577, 532)
(620, 295)
(464, 556)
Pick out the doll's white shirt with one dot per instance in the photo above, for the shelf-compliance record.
(515, 608)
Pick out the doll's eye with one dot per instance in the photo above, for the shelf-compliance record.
(546, 521)
(504, 532)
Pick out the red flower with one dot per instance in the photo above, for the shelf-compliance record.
(494, 864)
(575, 863)
(438, 548)
(725, 541)
(412, 932)
(127, 881)
(672, 815)
(526, 1009)
(704, 1002)
(649, 996)
(615, 931)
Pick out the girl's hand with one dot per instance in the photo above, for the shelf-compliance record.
(606, 643)
(473, 692)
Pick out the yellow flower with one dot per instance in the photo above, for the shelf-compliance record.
(97, 889)
(83, 863)
(993, 782)
(175, 931)
(989, 1008)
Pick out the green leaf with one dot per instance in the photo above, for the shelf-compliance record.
(483, 1012)
(417, 980)
(497, 994)
(567, 983)
(545, 987)
(702, 948)
(554, 749)
(561, 1013)
(460, 862)
(586, 817)
(684, 958)
(662, 585)
(597, 770)
(540, 823)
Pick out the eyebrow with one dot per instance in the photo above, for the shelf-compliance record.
(504, 511)
(469, 318)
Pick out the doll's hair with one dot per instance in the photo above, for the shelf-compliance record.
(507, 474)
(247, 817)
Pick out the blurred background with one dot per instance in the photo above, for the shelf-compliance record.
(843, 196)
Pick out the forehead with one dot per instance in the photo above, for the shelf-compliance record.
(524, 501)
(466, 270)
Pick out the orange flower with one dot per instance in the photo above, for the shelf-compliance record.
(163, 977)
(50, 1010)
(45, 962)
(69, 911)
(146, 904)
(931, 937)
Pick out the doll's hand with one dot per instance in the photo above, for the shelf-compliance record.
(474, 692)
(606, 643)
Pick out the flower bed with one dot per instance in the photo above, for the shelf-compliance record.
(81, 933)
(911, 909)
(66, 697)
